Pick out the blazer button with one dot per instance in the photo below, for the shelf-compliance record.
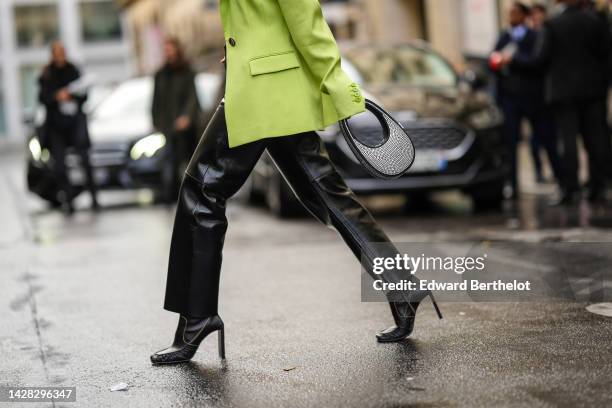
(232, 42)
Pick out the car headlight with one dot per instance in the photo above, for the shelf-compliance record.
(148, 146)
(35, 149)
(37, 152)
(486, 118)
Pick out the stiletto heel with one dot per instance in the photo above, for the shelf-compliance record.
(191, 331)
(404, 314)
(435, 304)
(221, 336)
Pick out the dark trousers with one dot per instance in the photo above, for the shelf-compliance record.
(180, 148)
(58, 146)
(516, 109)
(215, 174)
(585, 118)
(184, 143)
(607, 140)
(536, 150)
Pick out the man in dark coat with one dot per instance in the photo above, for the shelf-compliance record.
(519, 92)
(602, 10)
(175, 108)
(574, 50)
(65, 124)
(548, 138)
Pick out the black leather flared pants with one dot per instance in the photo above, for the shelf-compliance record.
(215, 174)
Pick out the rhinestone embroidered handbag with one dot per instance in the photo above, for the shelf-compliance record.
(387, 156)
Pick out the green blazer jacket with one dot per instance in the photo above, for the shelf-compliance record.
(283, 70)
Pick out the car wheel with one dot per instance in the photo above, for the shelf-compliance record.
(488, 196)
(254, 195)
(279, 197)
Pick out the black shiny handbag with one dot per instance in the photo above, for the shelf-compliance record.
(388, 154)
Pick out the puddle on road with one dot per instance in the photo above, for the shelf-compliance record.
(603, 309)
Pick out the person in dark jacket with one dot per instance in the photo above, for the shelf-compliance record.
(537, 18)
(65, 124)
(574, 50)
(519, 93)
(602, 10)
(175, 108)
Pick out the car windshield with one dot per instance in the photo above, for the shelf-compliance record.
(134, 97)
(131, 98)
(401, 66)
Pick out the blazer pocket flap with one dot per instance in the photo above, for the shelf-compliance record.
(274, 63)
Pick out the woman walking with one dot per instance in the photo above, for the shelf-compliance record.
(284, 81)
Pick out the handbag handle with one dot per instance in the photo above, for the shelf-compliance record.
(387, 158)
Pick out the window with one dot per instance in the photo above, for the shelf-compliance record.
(100, 21)
(2, 117)
(28, 77)
(211, 4)
(36, 25)
(401, 66)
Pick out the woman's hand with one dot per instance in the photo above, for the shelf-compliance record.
(182, 123)
(63, 95)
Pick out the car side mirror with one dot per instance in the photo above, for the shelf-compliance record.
(475, 79)
(28, 118)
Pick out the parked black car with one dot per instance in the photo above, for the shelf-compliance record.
(455, 127)
(127, 152)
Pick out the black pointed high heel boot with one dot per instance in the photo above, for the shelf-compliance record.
(404, 314)
(189, 334)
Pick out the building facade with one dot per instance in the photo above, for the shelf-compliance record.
(456, 28)
(195, 23)
(95, 36)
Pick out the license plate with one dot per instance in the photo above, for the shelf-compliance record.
(426, 161)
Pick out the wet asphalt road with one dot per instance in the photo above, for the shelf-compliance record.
(81, 306)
